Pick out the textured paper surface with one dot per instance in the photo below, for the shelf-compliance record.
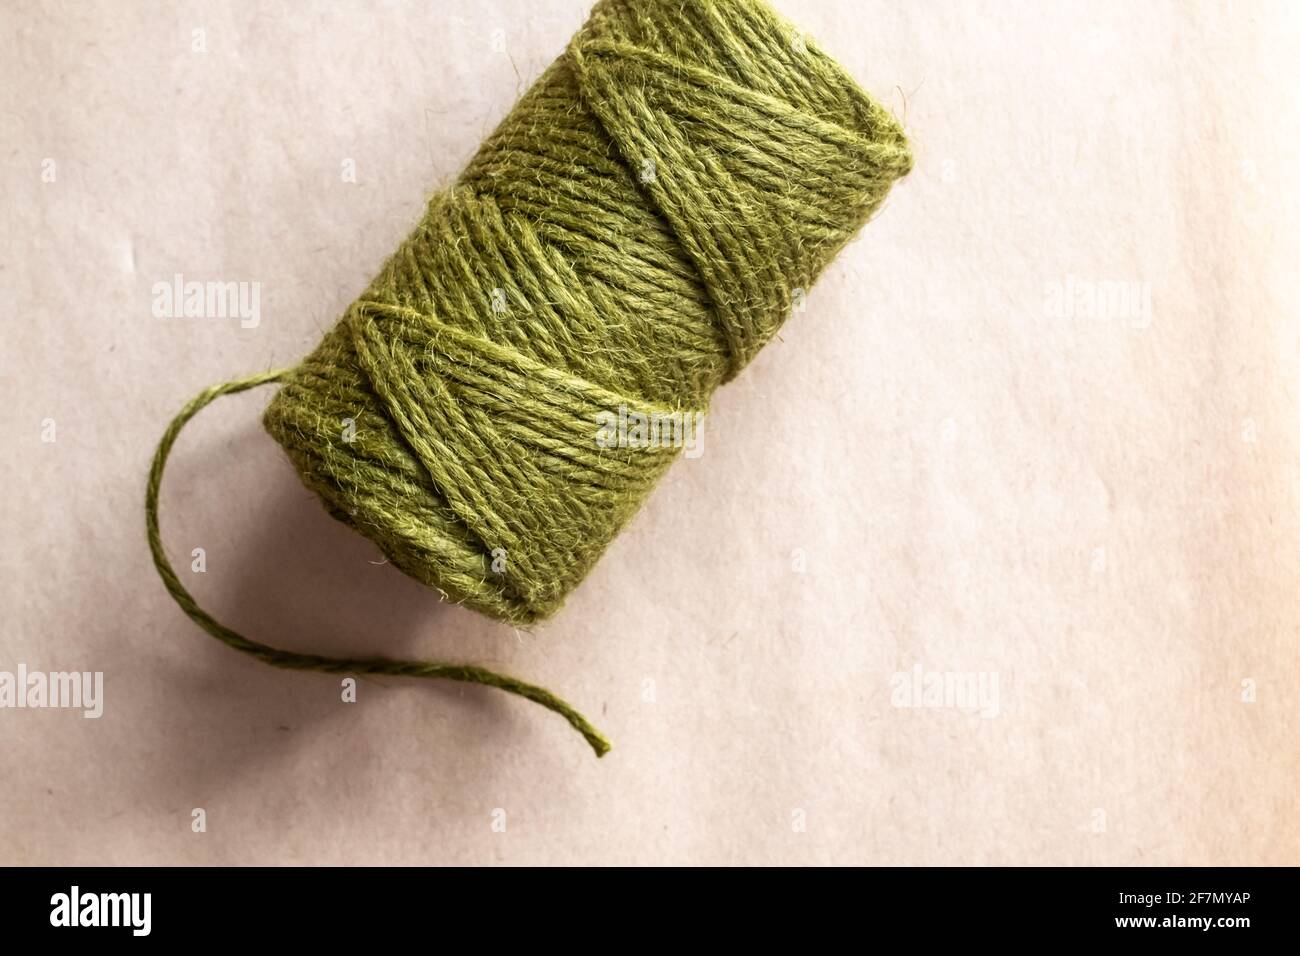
(971, 454)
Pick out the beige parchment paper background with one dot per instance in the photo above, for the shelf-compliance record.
(973, 453)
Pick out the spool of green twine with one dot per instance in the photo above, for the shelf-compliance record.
(629, 237)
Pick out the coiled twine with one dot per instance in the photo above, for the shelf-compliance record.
(630, 236)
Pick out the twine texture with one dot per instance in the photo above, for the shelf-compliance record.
(630, 236)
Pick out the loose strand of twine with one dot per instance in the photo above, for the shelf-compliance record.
(293, 660)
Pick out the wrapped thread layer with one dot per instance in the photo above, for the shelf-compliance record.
(632, 234)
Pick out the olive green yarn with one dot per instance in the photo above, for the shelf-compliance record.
(632, 234)
(647, 210)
